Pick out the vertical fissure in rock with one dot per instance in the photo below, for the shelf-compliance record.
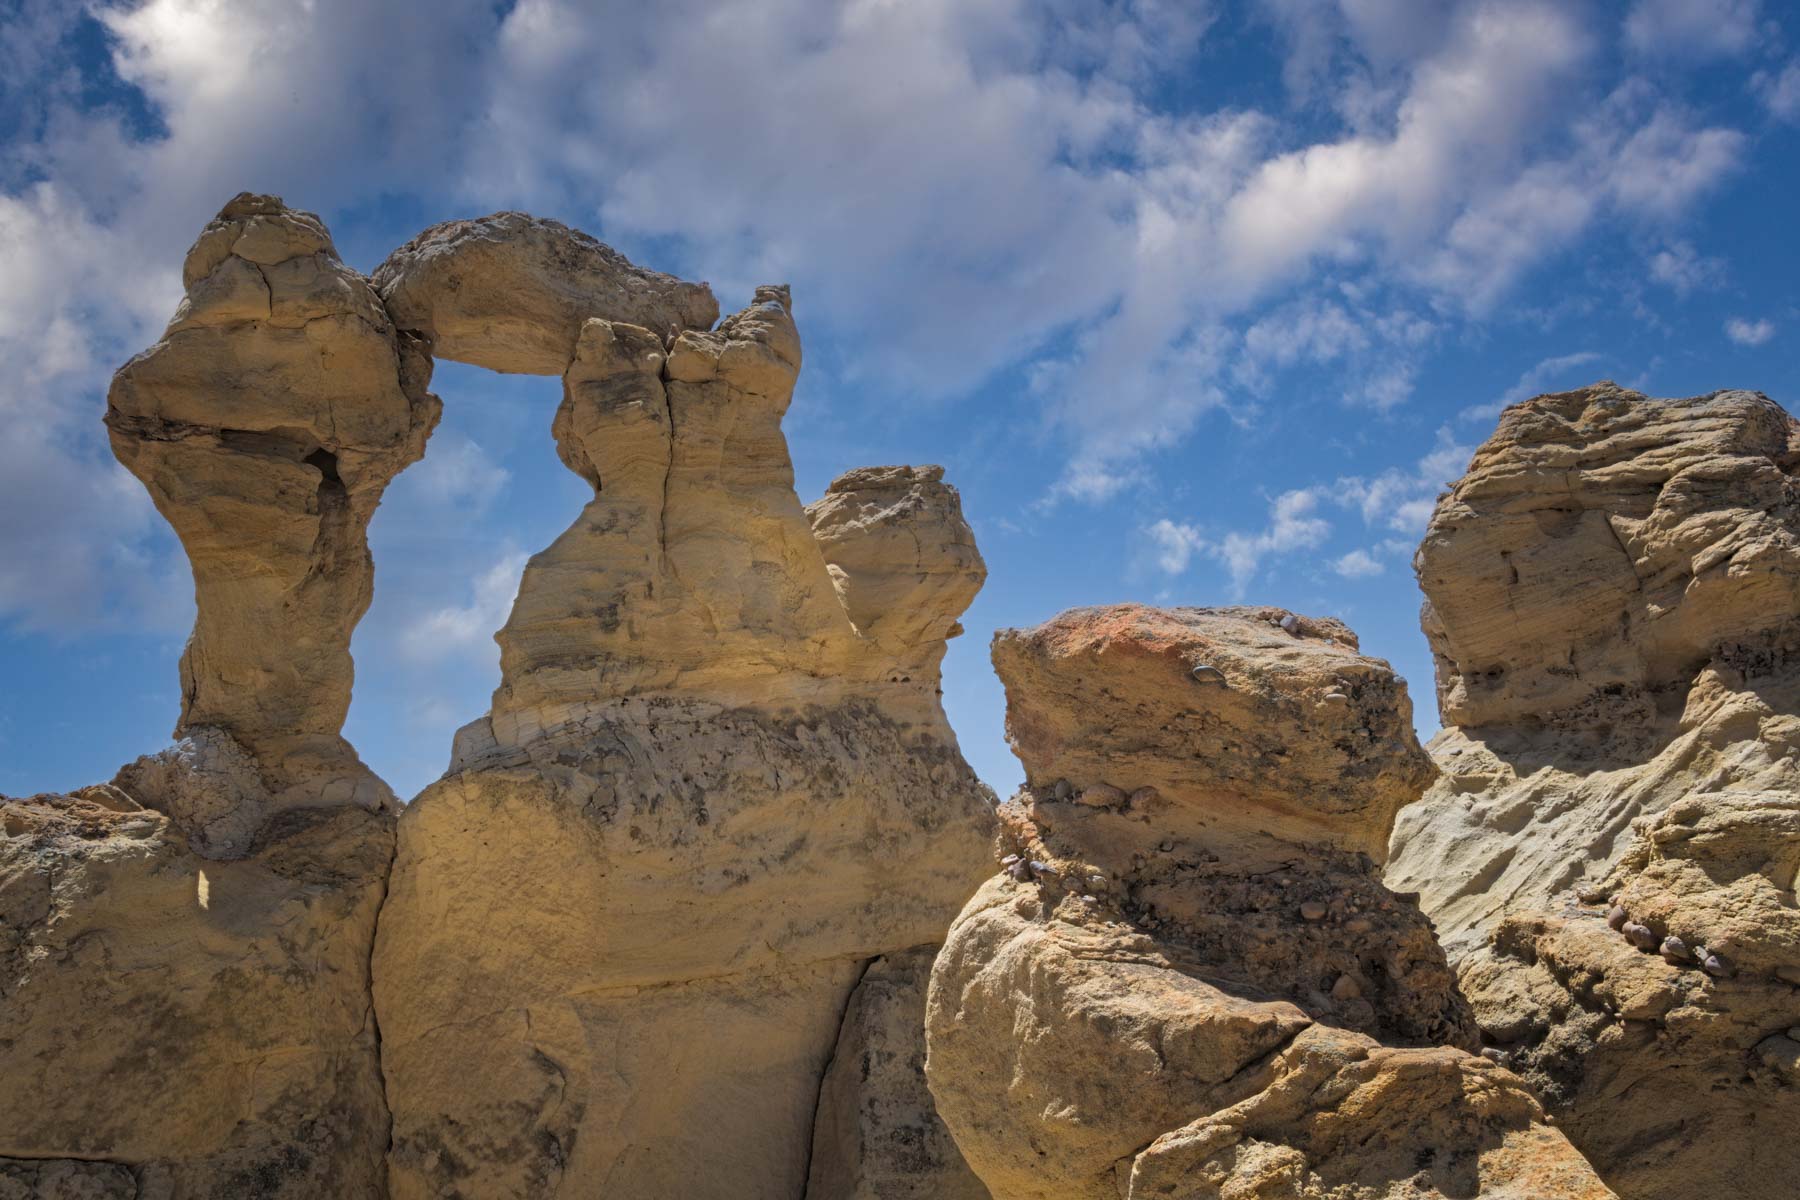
(812, 1122)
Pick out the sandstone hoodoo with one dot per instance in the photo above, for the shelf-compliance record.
(1610, 852)
(715, 790)
(1187, 978)
(680, 887)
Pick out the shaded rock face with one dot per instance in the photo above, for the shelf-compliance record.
(1610, 850)
(1187, 981)
(624, 929)
(511, 292)
(207, 1023)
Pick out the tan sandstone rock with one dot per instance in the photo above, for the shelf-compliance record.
(623, 930)
(184, 959)
(206, 1026)
(1610, 850)
(266, 424)
(1202, 989)
(511, 292)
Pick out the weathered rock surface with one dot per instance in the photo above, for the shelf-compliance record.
(511, 292)
(205, 1027)
(266, 424)
(1189, 981)
(184, 956)
(1610, 851)
(877, 1135)
(624, 928)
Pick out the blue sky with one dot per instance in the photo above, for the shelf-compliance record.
(1197, 303)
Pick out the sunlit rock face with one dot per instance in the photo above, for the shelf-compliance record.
(1610, 592)
(1187, 979)
(715, 783)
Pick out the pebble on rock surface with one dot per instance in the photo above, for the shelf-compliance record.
(1641, 936)
(1205, 673)
(1313, 910)
(1675, 950)
(1616, 918)
(1718, 966)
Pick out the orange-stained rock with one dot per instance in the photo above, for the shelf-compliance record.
(1188, 980)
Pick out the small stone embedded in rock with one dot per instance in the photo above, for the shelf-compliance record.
(1641, 936)
(1346, 988)
(1102, 795)
(1616, 918)
(1314, 910)
(1676, 950)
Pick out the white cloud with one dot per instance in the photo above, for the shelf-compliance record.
(1293, 524)
(1749, 333)
(458, 472)
(1532, 383)
(1692, 28)
(467, 630)
(1780, 92)
(1402, 500)
(1681, 267)
(1358, 564)
(952, 186)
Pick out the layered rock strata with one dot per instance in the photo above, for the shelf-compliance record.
(1188, 979)
(715, 783)
(1610, 852)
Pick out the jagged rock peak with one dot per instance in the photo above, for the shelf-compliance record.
(1603, 546)
(1189, 985)
(511, 292)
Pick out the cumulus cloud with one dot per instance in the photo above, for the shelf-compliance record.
(1358, 564)
(1400, 499)
(1294, 524)
(1746, 332)
(953, 187)
(1780, 91)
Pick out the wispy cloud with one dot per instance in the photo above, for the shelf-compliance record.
(1746, 332)
(1532, 383)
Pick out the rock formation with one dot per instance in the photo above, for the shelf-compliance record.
(1610, 852)
(686, 877)
(511, 292)
(715, 783)
(187, 991)
(1188, 980)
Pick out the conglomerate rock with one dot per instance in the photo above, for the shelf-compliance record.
(624, 929)
(1188, 981)
(1610, 851)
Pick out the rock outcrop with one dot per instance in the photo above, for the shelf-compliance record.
(511, 292)
(715, 783)
(1610, 852)
(1188, 980)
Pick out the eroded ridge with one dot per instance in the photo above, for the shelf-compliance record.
(1187, 979)
(1609, 853)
